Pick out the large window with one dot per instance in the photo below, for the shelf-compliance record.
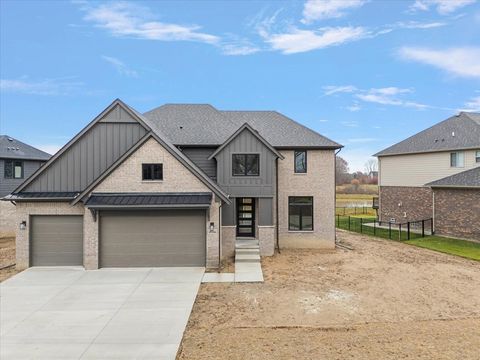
(300, 161)
(13, 169)
(300, 213)
(245, 165)
(457, 159)
(477, 156)
(152, 171)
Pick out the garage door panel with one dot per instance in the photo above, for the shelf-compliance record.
(153, 238)
(56, 240)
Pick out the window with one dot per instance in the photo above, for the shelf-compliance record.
(152, 171)
(245, 165)
(13, 169)
(456, 159)
(300, 161)
(477, 156)
(300, 213)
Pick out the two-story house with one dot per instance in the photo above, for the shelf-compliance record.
(176, 186)
(435, 174)
(17, 162)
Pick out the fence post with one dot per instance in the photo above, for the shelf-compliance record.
(389, 230)
(361, 228)
(423, 228)
(374, 227)
(400, 232)
(431, 226)
(408, 230)
(348, 222)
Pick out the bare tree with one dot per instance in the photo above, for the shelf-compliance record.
(370, 166)
(341, 171)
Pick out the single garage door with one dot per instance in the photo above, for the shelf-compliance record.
(56, 240)
(152, 238)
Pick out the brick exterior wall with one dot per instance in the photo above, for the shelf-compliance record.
(395, 201)
(319, 182)
(457, 213)
(266, 237)
(228, 241)
(7, 219)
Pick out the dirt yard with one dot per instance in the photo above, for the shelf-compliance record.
(7, 257)
(383, 300)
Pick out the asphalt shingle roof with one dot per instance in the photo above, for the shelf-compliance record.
(11, 148)
(192, 124)
(149, 200)
(457, 132)
(468, 178)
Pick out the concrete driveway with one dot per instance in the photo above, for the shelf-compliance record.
(70, 313)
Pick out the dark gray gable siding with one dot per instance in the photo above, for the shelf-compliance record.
(238, 186)
(91, 155)
(199, 156)
(8, 185)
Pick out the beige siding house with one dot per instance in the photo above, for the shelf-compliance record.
(410, 171)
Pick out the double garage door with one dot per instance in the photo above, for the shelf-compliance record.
(126, 239)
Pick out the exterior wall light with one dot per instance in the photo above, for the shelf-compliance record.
(23, 225)
(212, 227)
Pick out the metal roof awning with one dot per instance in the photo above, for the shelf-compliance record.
(98, 201)
(41, 196)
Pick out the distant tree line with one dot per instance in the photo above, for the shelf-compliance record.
(344, 176)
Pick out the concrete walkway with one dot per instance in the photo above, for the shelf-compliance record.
(70, 313)
(248, 267)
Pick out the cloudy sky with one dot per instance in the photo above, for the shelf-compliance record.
(365, 73)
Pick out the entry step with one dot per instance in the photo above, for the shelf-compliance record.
(247, 244)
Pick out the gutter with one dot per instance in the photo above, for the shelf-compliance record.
(335, 191)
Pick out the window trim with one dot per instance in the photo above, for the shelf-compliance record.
(152, 165)
(245, 174)
(295, 161)
(456, 159)
(13, 163)
(300, 222)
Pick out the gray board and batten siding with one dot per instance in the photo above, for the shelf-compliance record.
(91, 155)
(200, 157)
(246, 186)
(8, 185)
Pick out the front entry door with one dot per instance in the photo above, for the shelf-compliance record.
(246, 217)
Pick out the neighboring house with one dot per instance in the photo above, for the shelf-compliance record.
(427, 176)
(17, 162)
(177, 186)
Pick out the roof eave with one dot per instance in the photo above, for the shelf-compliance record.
(379, 154)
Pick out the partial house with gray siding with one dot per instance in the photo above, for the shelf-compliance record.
(18, 161)
(177, 186)
(434, 174)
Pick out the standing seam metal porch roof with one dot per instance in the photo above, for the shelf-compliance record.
(202, 124)
(148, 200)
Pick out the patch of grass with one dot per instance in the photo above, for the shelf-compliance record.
(464, 248)
(354, 196)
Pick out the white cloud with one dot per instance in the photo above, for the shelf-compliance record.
(297, 41)
(458, 61)
(443, 7)
(419, 25)
(324, 9)
(124, 19)
(238, 46)
(349, 123)
(472, 105)
(120, 66)
(354, 107)
(361, 140)
(49, 148)
(333, 89)
(323, 120)
(46, 87)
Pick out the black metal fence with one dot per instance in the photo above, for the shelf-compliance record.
(395, 231)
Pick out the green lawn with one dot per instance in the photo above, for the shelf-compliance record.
(463, 248)
(467, 249)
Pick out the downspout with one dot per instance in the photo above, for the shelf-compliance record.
(220, 235)
(276, 205)
(335, 187)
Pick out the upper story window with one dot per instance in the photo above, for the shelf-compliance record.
(300, 161)
(152, 171)
(13, 169)
(457, 159)
(245, 165)
(477, 156)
